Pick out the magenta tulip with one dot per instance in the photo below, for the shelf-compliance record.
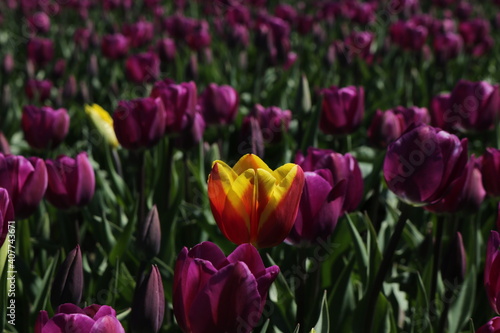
(69, 318)
(219, 104)
(38, 89)
(273, 122)
(490, 169)
(114, 46)
(492, 271)
(6, 214)
(342, 109)
(493, 326)
(139, 33)
(143, 67)
(26, 181)
(423, 163)
(409, 35)
(71, 181)
(40, 51)
(44, 127)
(233, 288)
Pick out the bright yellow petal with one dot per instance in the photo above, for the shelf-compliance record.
(103, 122)
(225, 174)
(283, 171)
(250, 161)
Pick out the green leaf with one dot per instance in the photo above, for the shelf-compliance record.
(383, 318)
(323, 324)
(359, 250)
(296, 330)
(265, 326)
(311, 132)
(42, 297)
(122, 243)
(461, 309)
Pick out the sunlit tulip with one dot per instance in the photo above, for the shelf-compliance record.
(252, 203)
(69, 318)
(422, 164)
(103, 123)
(44, 127)
(234, 289)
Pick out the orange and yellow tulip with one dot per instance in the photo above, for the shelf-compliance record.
(252, 203)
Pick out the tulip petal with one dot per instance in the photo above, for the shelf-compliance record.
(41, 320)
(250, 161)
(74, 323)
(209, 251)
(248, 254)
(107, 324)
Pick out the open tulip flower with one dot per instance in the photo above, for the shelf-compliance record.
(252, 203)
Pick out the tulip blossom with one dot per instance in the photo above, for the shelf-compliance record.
(114, 46)
(139, 33)
(490, 168)
(252, 203)
(166, 49)
(492, 271)
(233, 288)
(143, 67)
(442, 113)
(342, 167)
(69, 318)
(447, 46)
(219, 104)
(103, 123)
(319, 209)
(6, 214)
(38, 89)
(493, 326)
(26, 181)
(423, 163)
(342, 109)
(273, 122)
(40, 51)
(44, 127)
(409, 35)
(68, 283)
(139, 123)
(71, 181)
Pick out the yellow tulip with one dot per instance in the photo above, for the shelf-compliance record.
(103, 122)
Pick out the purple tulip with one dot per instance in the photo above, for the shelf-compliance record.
(273, 122)
(305, 24)
(476, 36)
(273, 37)
(71, 181)
(422, 164)
(237, 14)
(251, 138)
(319, 209)
(82, 38)
(178, 100)
(139, 33)
(69, 318)
(342, 167)
(192, 129)
(362, 13)
(40, 51)
(166, 49)
(286, 12)
(219, 104)
(342, 109)
(149, 234)
(358, 44)
(26, 181)
(474, 105)
(68, 283)
(148, 306)
(408, 35)
(39, 22)
(139, 123)
(387, 126)
(233, 288)
(454, 261)
(39, 89)
(178, 27)
(143, 67)
(465, 193)
(493, 326)
(447, 46)
(114, 46)
(492, 271)
(6, 214)
(441, 113)
(463, 10)
(44, 127)
(490, 169)
(199, 37)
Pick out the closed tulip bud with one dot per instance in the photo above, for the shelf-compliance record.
(166, 49)
(454, 261)
(219, 104)
(493, 326)
(492, 271)
(490, 168)
(6, 214)
(234, 288)
(93, 318)
(465, 193)
(447, 46)
(38, 89)
(342, 109)
(114, 46)
(139, 33)
(342, 167)
(245, 215)
(421, 165)
(25, 180)
(68, 283)
(387, 126)
(178, 100)
(149, 234)
(143, 67)
(139, 123)
(39, 23)
(44, 127)
(148, 307)
(320, 207)
(71, 181)
(475, 104)
(40, 51)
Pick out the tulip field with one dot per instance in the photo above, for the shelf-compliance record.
(237, 166)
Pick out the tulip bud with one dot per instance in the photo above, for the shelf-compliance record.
(422, 164)
(219, 104)
(342, 109)
(25, 180)
(139, 123)
(93, 66)
(148, 307)
(6, 214)
(71, 181)
(149, 234)
(273, 122)
(44, 127)
(453, 264)
(68, 283)
(70, 88)
(143, 67)
(234, 288)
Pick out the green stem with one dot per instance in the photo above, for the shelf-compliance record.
(436, 257)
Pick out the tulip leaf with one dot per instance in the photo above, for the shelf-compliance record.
(383, 318)
(461, 309)
(124, 314)
(373, 248)
(265, 326)
(42, 297)
(122, 243)
(311, 132)
(296, 330)
(323, 323)
(359, 250)
(342, 295)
